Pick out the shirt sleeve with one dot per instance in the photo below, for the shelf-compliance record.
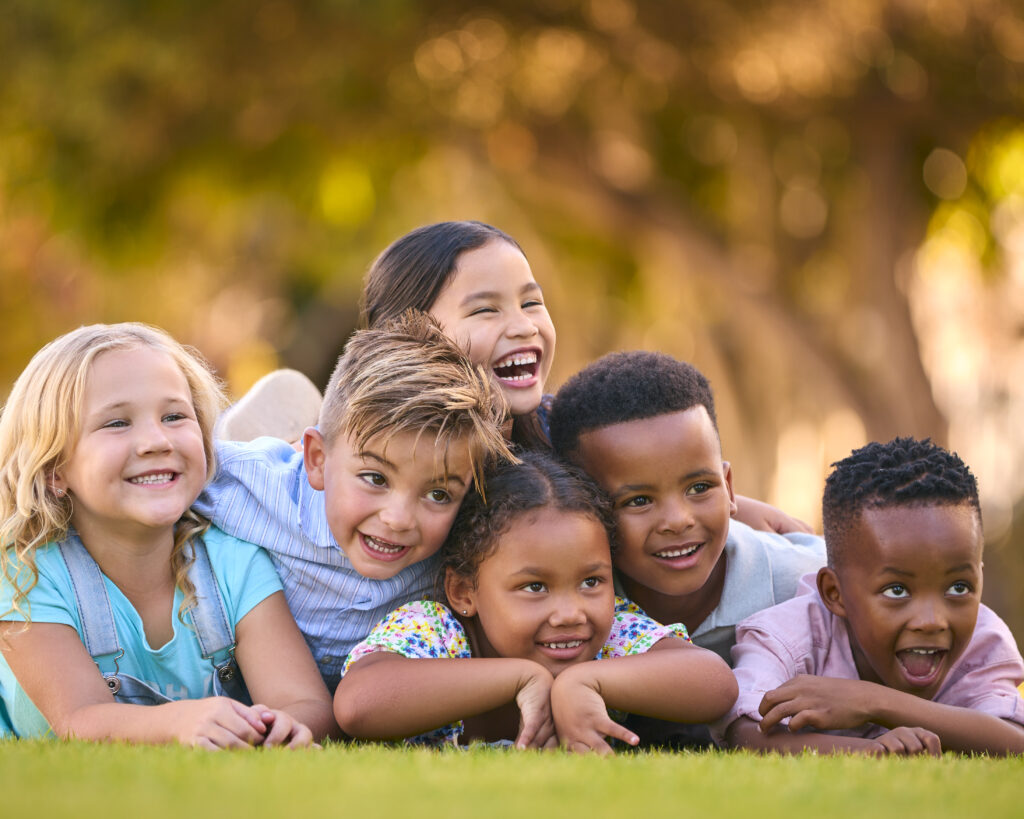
(633, 632)
(761, 664)
(420, 630)
(50, 600)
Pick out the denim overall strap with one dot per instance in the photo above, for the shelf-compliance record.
(93, 604)
(213, 630)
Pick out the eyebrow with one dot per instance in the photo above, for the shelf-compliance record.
(894, 570)
(640, 487)
(540, 570)
(452, 478)
(482, 295)
(963, 567)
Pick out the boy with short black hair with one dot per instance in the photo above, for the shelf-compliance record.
(892, 652)
(643, 425)
(407, 423)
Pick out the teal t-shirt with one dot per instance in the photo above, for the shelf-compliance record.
(245, 577)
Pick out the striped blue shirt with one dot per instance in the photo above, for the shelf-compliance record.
(261, 494)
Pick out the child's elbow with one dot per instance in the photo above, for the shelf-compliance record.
(350, 716)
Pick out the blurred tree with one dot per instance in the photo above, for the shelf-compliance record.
(744, 184)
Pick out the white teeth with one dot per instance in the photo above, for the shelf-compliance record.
(518, 359)
(689, 550)
(570, 644)
(163, 477)
(515, 377)
(383, 545)
(923, 650)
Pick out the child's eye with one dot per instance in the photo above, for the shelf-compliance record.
(117, 423)
(592, 582)
(439, 496)
(532, 303)
(897, 591)
(637, 501)
(480, 310)
(699, 488)
(535, 588)
(960, 589)
(174, 416)
(374, 478)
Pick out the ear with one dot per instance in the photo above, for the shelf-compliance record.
(57, 484)
(727, 472)
(461, 593)
(314, 456)
(831, 594)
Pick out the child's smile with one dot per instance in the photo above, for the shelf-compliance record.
(673, 498)
(494, 309)
(909, 586)
(391, 504)
(545, 593)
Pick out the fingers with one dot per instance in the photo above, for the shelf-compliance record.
(908, 741)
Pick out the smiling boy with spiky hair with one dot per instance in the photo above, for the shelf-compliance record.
(892, 651)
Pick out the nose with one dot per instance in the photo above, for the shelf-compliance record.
(929, 615)
(567, 610)
(676, 515)
(520, 325)
(151, 436)
(398, 513)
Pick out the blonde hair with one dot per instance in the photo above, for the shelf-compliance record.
(408, 376)
(39, 427)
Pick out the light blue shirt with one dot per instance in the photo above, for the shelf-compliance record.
(245, 577)
(761, 570)
(261, 494)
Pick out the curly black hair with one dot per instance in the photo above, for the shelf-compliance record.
(903, 472)
(540, 481)
(622, 387)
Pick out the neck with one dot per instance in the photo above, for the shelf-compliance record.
(137, 562)
(689, 609)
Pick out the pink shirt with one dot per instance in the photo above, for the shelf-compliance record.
(801, 636)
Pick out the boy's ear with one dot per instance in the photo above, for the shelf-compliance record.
(461, 593)
(831, 594)
(314, 454)
(727, 471)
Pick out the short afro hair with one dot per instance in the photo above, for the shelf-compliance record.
(621, 387)
(903, 472)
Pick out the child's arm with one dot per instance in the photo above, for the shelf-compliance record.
(53, 667)
(279, 669)
(674, 681)
(387, 696)
(903, 741)
(760, 515)
(832, 704)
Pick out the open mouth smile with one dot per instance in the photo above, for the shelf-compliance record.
(381, 549)
(921, 666)
(517, 367)
(680, 551)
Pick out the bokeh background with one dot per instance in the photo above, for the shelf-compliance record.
(819, 204)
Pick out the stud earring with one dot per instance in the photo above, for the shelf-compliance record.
(465, 612)
(59, 492)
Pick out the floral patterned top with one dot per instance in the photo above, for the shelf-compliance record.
(428, 630)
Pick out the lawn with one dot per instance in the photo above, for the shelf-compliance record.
(56, 780)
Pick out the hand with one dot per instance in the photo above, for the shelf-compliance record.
(283, 729)
(760, 515)
(215, 723)
(581, 716)
(536, 727)
(909, 741)
(822, 703)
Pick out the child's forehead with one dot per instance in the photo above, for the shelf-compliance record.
(688, 433)
(915, 534)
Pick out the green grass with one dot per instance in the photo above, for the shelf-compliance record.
(53, 780)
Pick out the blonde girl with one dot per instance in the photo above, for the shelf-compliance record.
(122, 615)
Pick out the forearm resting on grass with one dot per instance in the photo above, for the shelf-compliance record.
(825, 703)
(674, 681)
(387, 696)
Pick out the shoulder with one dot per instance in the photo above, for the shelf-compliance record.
(634, 632)
(227, 550)
(770, 562)
(267, 453)
(796, 625)
(422, 629)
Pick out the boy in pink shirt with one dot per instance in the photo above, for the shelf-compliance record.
(890, 650)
